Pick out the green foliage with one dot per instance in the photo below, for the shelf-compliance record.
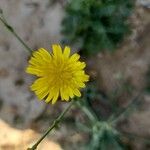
(104, 137)
(96, 25)
(101, 127)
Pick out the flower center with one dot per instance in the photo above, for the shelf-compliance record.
(62, 74)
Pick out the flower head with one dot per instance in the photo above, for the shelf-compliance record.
(59, 74)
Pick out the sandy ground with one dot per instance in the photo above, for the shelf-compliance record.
(22, 139)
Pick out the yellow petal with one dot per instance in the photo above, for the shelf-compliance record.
(81, 84)
(70, 92)
(41, 94)
(63, 94)
(45, 54)
(67, 51)
(55, 97)
(34, 71)
(49, 98)
(77, 92)
(57, 51)
(74, 57)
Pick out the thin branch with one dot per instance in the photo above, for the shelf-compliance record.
(133, 135)
(54, 125)
(90, 114)
(125, 110)
(10, 29)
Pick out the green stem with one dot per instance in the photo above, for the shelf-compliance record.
(54, 124)
(3, 21)
(88, 112)
(113, 120)
(133, 135)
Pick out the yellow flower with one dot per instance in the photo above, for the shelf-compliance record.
(59, 74)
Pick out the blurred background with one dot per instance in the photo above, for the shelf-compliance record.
(113, 37)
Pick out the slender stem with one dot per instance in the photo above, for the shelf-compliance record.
(90, 114)
(133, 135)
(54, 124)
(3, 21)
(125, 110)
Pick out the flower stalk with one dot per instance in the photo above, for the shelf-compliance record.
(54, 125)
(10, 29)
(90, 114)
(115, 119)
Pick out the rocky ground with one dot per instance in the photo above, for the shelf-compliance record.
(38, 23)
